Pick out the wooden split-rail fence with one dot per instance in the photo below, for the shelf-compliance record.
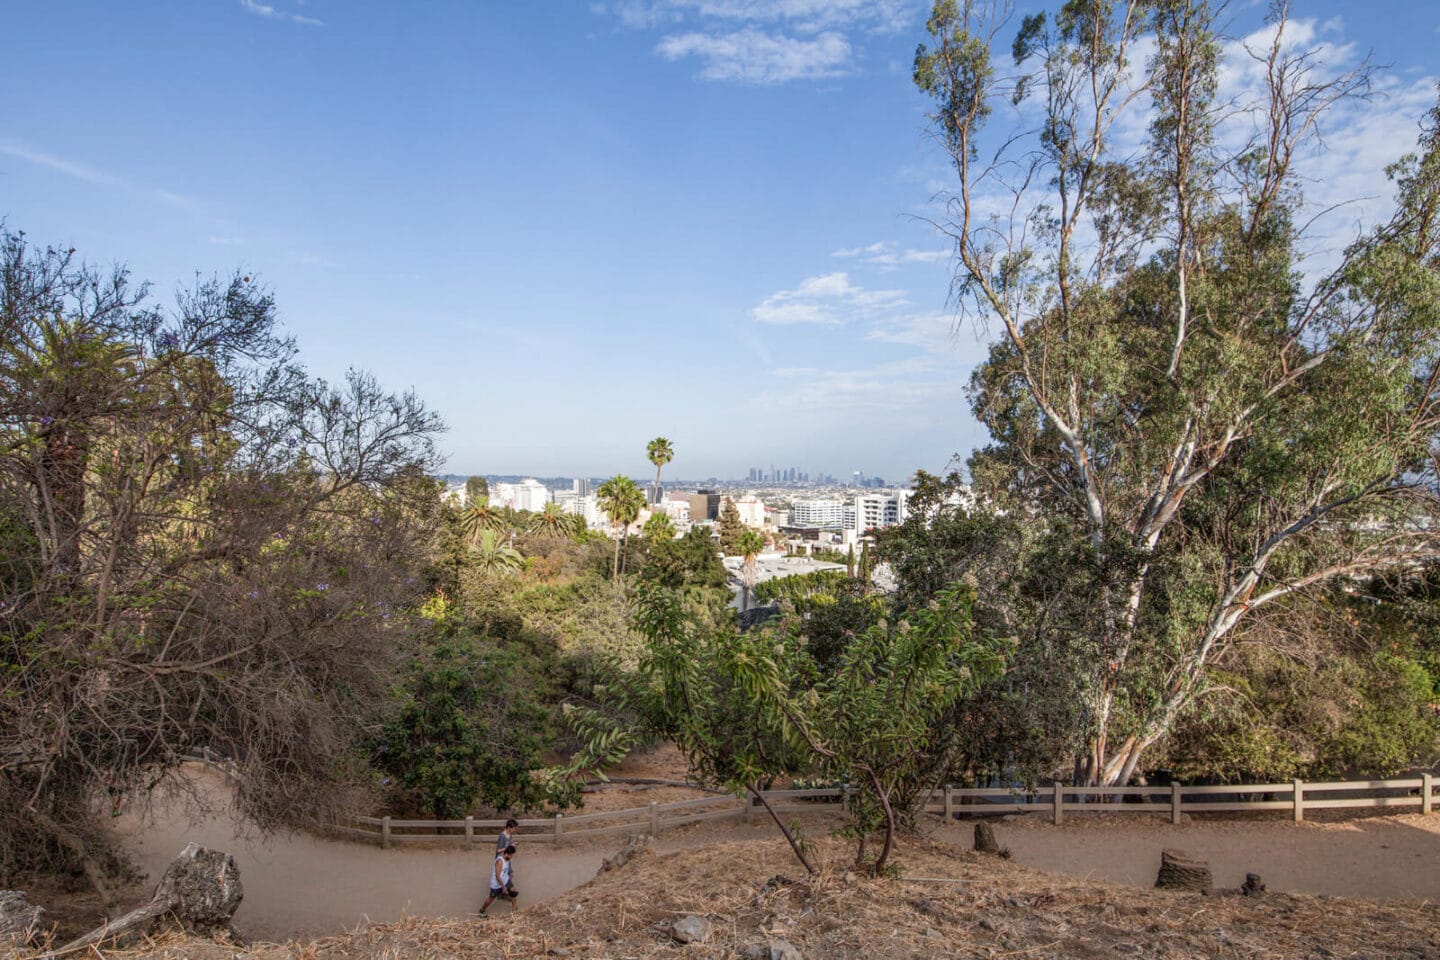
(1175, 801)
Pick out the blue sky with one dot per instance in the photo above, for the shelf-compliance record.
(569, 226)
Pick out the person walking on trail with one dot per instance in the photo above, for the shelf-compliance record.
(507, 836)
(507, 839)
(501, 886)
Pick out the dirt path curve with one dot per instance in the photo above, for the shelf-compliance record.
(303, 885)
(299, 885)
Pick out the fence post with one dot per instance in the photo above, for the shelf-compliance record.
(1299, 800)
(949, 804)
(654, 819)
(1174, 802)
(469, 831)
(749, 810)
(559, 819)
(1059, 801)
(1427, 784)
(385, 833)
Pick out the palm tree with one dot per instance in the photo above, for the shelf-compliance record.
(660, 453)
(659, 527)
(622, 500)
(554, 522)
(481, 517)
(748, 545)
(491, 554)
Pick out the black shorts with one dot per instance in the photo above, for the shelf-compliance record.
(507, 893)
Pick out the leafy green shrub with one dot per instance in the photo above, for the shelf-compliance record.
(470, 726)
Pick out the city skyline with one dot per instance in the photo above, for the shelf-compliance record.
(573, 229)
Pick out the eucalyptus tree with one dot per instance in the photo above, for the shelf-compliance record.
(1201, 423)
(622, 500)
(660, 452)
(204, 547)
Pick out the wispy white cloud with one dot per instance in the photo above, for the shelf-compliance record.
(804, 16)
(753, 56)
(178, 200)
(271, 13)
(830, 300)
(886, 255)
(72, 168)
(763, 41)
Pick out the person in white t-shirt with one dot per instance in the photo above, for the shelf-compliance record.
(501, 887)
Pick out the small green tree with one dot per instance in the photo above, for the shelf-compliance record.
(690, 561)
(872, 722)
(476, 489)
(730, 528)
(746, 707)
(469, 727)
(659, 527)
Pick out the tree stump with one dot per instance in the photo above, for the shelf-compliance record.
(19, 919)
(985, 838)
(1180, 871)
(201, 889)
(1253, 885)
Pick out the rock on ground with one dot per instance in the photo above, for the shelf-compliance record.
(690, 929)
(19, 918)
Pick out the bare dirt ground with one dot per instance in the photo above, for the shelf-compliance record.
(1383, 858)
(948, 904)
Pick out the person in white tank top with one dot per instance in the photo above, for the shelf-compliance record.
(501, 887)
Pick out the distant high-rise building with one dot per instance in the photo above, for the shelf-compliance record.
(580, 486)
(704, 505)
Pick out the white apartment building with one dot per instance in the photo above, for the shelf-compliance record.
(821, 514)
(528, 494)
(676, 507)
(752, 511)
(585, 507)
(876, 511)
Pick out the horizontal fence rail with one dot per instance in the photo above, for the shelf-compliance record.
(1296, 796)
(948, 803)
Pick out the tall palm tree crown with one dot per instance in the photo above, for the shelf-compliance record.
(622, 501)
(555, 522)
(660, 452)
(481, 516)
(748, 545)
